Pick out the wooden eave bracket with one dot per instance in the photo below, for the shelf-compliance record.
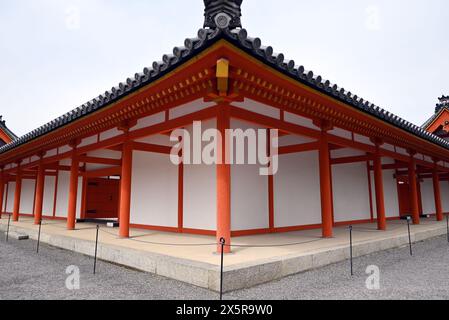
(222, 77)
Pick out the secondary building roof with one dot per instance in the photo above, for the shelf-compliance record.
(6, 135)
(223, 23)
(441, 107)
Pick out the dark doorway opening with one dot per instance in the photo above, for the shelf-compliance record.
(102, 198)
(405, 198)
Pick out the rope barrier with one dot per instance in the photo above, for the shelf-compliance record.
(163, 243)
(215, 244)
(274, 246)
(361, 229)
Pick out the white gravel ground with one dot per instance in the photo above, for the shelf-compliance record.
(26, 275)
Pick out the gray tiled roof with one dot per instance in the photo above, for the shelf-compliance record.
(254, 47)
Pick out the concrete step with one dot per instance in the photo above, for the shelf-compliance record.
(18, 236)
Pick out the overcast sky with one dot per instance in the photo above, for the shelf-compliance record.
(57, 54)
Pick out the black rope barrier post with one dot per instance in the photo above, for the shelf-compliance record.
(351, 250)
(96, 250)
(39, 236)
(409, 235)
(7, 230)
(223, 243)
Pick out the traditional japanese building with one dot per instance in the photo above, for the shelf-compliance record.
(342, 159)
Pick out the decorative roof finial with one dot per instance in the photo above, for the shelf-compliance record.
(444, 103)
(222, 14)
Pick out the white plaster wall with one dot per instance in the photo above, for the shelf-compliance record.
(292, 140)
(189, 108)
(149, 121)
(154, 191)
(351, 192)
(88, 141)
(159, 139)
(79, 198)
(200, 193)
(445, 195)
(62, 199)
(341, 133)
(390, 194)
(362, 139)
(10, 204)
(343, 153)
(256, 107)
(62, 202)
(27, 196)
(5, 197)
(108, 154)
(295, 119)
(297, 190)
(427, 197)
(110, 134)
(49, 196)
(249, 192)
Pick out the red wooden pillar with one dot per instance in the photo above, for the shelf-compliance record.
(17, 192)
(325, 181)
(437, 193)
(125, 189)
(379, 184)
(2, 191)
(414, 205)
(39, 200)
(73, 190)
(223, 182)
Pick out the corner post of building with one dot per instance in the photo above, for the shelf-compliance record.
(325, 179)
(437, 191)
(39, 195)
(2, 190)
(379, 186)
(17, 192)
(73, 187)
(413, 182)
(223, 180)
(125, 181)
(223, 163)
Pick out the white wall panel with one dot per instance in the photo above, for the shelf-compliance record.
(11, 190)
(427, 197)
(445, 195)
(292, 140)
(5, 197)
(189, 108)
(297, 190)
(110, 134)
(301, 121)
(351, 192)
(49, 196)
(200, 192)
(149, 121)
(154, 192)
(249, 191)
(62, 201)
(259, 108)
(390, 194)
(27, 196)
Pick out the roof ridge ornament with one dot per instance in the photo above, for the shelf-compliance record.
(444, 103)
(222, 14)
